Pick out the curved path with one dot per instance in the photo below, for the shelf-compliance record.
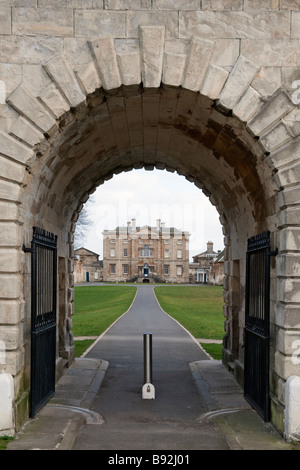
(170, 421)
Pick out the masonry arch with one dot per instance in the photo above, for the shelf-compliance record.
(147, 109)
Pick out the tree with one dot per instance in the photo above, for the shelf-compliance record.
(82, 225)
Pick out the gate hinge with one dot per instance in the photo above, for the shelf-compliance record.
(26, 250)
(274, 253)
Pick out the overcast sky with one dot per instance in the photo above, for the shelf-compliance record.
(148, 196)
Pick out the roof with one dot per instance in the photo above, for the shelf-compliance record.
(220, 258)
(86, 250)
(147, 228)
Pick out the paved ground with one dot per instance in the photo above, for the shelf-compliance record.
(98, 404)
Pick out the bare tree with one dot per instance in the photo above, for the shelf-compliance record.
(83, 224)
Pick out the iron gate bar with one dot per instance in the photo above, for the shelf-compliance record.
(257, 321)
(43, 317)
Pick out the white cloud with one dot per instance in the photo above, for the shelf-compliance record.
(151, 195)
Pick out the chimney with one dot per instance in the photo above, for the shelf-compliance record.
(158, 223)
(210, 247)
(133, 224)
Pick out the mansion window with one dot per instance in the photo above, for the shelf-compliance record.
(166, 270)
(125, 251)
(179, 270)
(112, 269)
(167, 254)
(179, 253)
(125, 268)
(112, 252)
(146, 251)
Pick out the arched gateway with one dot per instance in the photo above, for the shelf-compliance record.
(77, 119)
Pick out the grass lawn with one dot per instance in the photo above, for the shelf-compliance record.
(199, 309)
(96, 308)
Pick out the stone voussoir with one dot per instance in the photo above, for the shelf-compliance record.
(240, 78)
(65, 80)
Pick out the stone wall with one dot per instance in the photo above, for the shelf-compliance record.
(207, 88)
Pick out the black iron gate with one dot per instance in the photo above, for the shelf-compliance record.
(256, 382)
(43, 317)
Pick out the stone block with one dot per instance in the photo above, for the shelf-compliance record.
(199, 56)
(91, 23)
(104, 53)
(289, 290)
(287, 155)
(14, 362)
(53, 99)
(288, 343)
(290, 4)
(11, 312)
(10, 192)
(12, 170)
(168, 19)
(267, 81)
(175, 5)
(42, 21)
(80, 4)
(270, 114)
(289, 239)
(9, 285)
(10, 337)
(8, 210)
(26, 132)
(284, 366)
(152, 49)
(276, 138)
(173, 69)
(9, 260)
(88, 77)
(21, 3)
(226, 52)
(130, 68)
(214, 81)
(63, 76)
(222, 5)
(29, 49)
(289, 196)
(14, 149)
(26, 104)
(127, 4)
(271, 52)
(287, 316)
(289, 175)
(5, 20)
(289, 216)
(235, 24)
(266, 5)
(248, 105)
(288, 265)
(238, 81)
(295, 26)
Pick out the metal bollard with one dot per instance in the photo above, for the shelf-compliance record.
(148, 390)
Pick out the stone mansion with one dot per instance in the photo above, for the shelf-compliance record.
(146, 254)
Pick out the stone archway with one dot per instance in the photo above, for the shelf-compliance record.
(150, 108)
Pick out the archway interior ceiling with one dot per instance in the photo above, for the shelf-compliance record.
(145, 110)
(174, 129)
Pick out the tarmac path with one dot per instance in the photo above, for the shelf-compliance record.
(171, 420)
